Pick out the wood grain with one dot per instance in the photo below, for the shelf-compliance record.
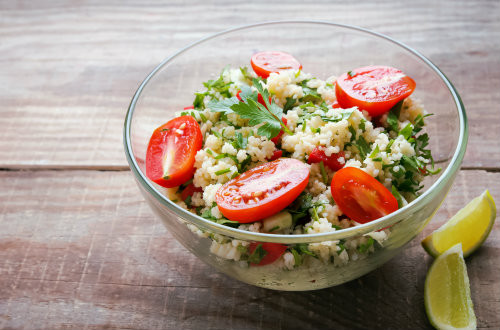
(69, 69)
(80, 249)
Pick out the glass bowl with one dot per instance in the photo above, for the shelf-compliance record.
(324, 49)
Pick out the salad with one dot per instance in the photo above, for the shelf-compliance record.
(274, 149)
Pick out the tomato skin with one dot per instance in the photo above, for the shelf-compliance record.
(277, 138)
(173, 145)
(189, 191)
(276, 154)
(336, 105)
(375, 89)
(264, 63)
(263, 190)
(189, 107)
(318, 155)
(360, 196)
(274, 252)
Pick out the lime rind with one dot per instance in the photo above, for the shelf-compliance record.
(447, 292)
(481, 204)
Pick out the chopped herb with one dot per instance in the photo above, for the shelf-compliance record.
(203, 118)
(363, 146)
(297, 257)
(188, 200)
(363, 248)
(257, 255)
(165, 129)
(341, 245)
(375, 152)
(300, 207)
(274, 228)
(361, 125)
(289, 104)
(392, 121)
(353, 133)
(210, 152)
(226, 155)
(396, 194)
(198, 102)
(351, 74)
(324, 175)
(245, 73)
(224, 171)
(216, 134)
(297, 74)
(242, 249)
(240, 142)
(224, 105)
(406, 132)
(389, 145)
(310, 94)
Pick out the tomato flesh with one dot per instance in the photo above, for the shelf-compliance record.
(273, 252)
(263, 190)
(171, 151)
(277, 138)
(276, 154)
(375, 89)
(332, 161)
(264, 63)
(189, 191)
(360, 196)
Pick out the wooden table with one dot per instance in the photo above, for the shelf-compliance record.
(80, 249)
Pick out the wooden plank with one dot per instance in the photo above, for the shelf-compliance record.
(69, 69)
(81, 250)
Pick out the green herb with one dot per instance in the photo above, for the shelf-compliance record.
(210, 152)
(198, 102)
(257, 255)
(300, 207)
(297, 74)
(363, 248)
(245, 73)
(188, 200)
(393, 121)
(345, 114)
(274, 228)
(363, 146)
(361, 125)
(224, 105)
(396, 194)
(297, 257)
(242, 249)
(207, 214)
(216, 134)
(324, 175)
(389, 145)
(165, 129)
(407, 131)
(226, 155)
(310, 94)
(341, 245)
(218, 86)
(375, 152)
(289, 104)
(224, 171)
(240, 142)
(353, 133)
(203, 118)
(351, 74)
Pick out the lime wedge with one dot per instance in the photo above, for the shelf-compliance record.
(447, 293)
(470, 226)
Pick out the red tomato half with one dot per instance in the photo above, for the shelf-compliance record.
(264, 63)
(360, 196)
(171, 151)
(318, 155)
(273, 252)
(375, 89)
(263, 190)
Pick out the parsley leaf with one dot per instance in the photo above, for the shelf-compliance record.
(363, 248)
(290, 103)
(224, 105)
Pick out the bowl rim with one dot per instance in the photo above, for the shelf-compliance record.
(383, 222)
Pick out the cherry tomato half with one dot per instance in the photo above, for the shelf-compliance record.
(273, 252)
(263, 190)
(375, 89)
(360, 196)
(171, 151)
(332, 161)
(264, 63)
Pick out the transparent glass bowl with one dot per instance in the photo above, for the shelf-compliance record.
(324, 49)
